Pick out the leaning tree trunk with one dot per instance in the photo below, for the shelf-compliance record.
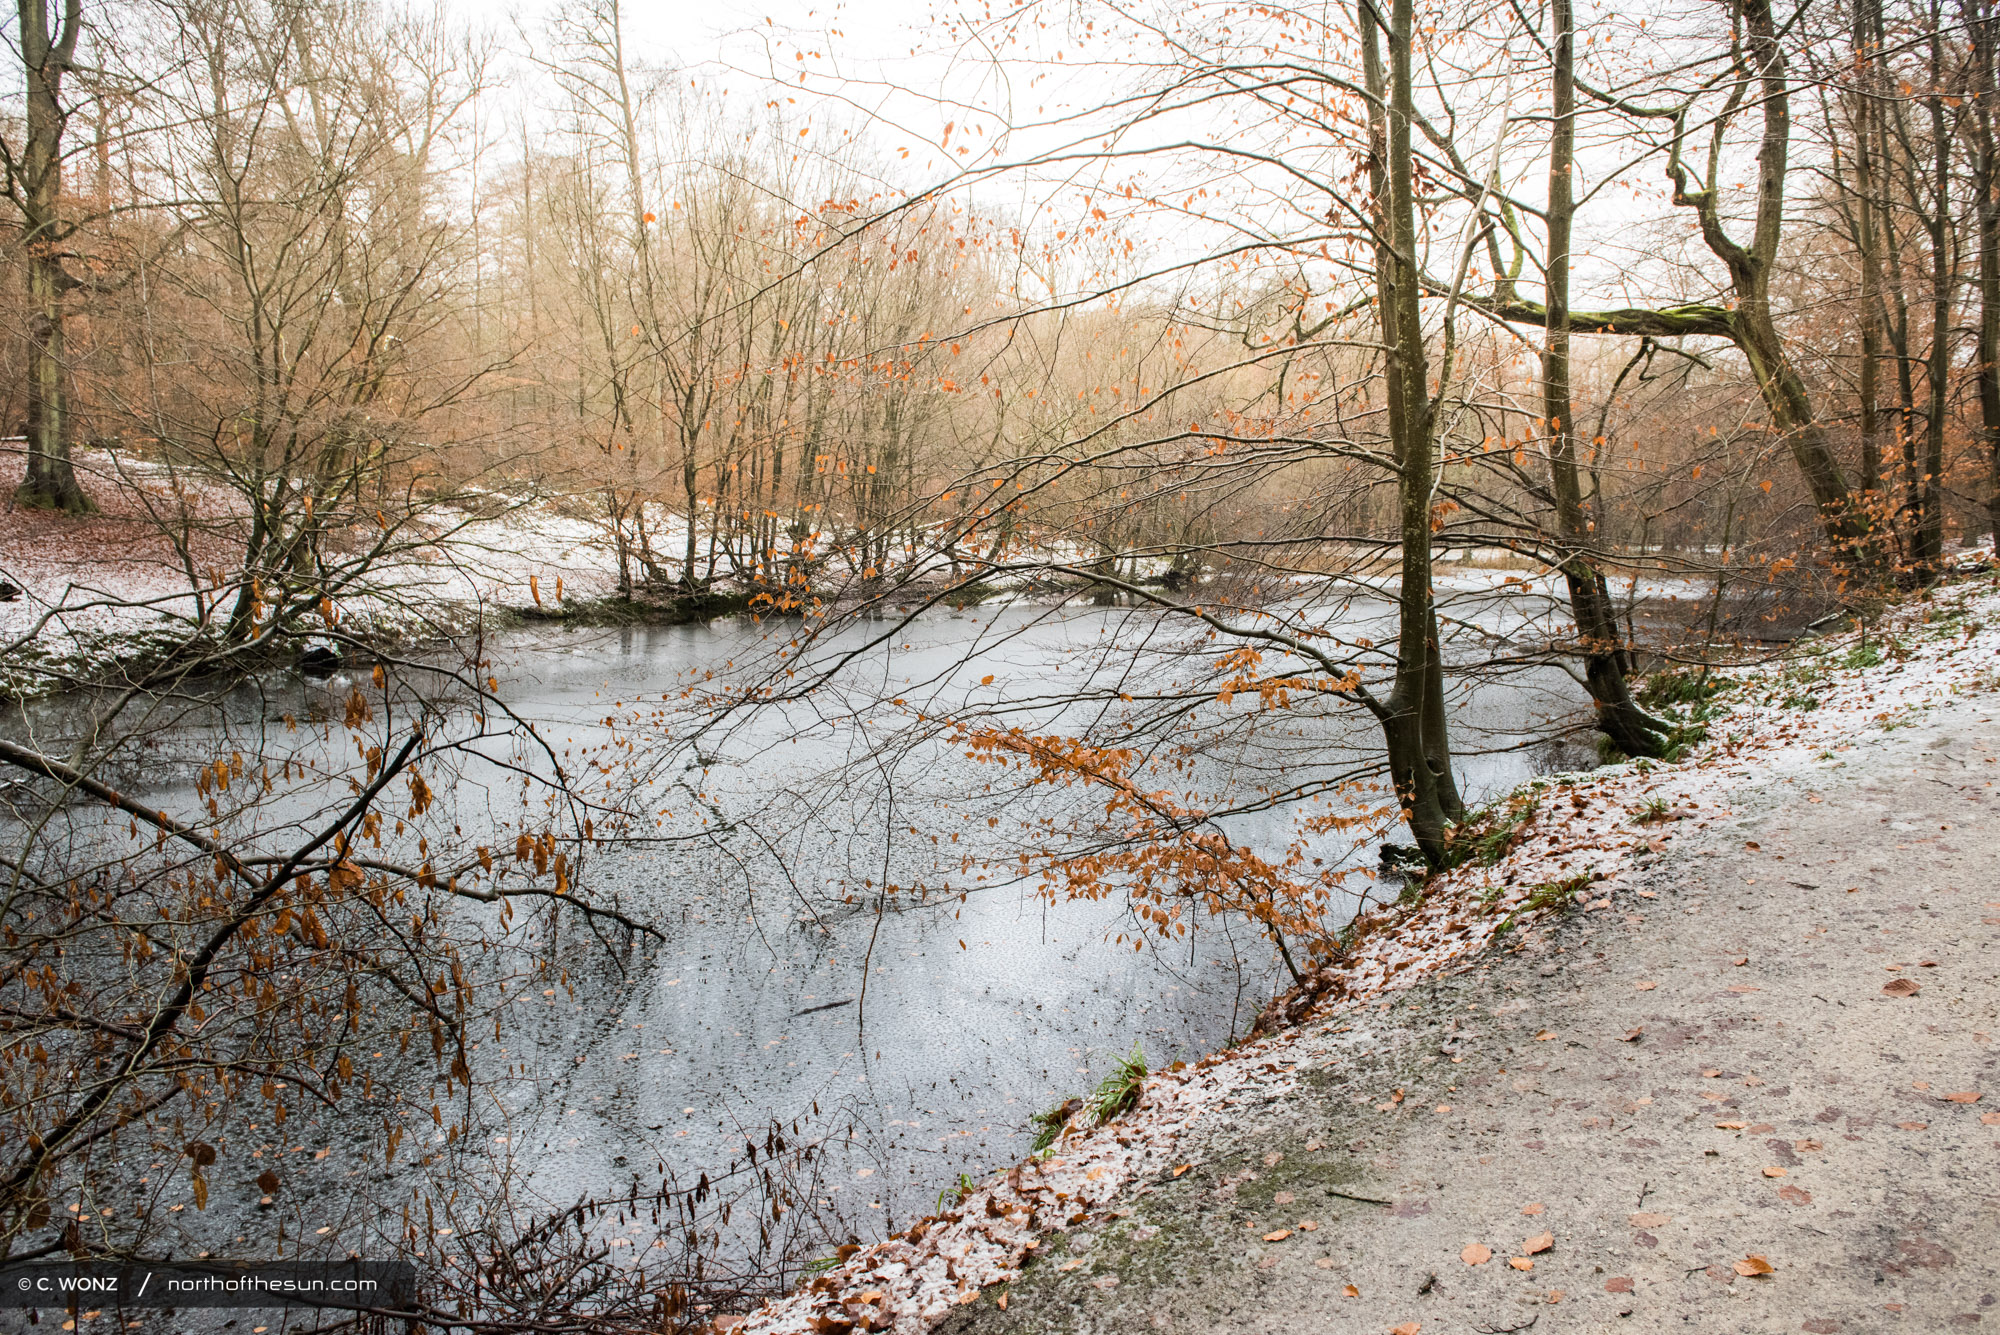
(1619, 716)
(50, 478)
(1413, 716)
(1856, 546)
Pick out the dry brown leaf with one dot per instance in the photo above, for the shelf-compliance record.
(1545, 1035)
(1792, 1195)
(1555, 1295)
(1001, 1302)
(1752, 845)
(1964, 1096)
(1632, 1036)
(1644, 985)
(1901, 987)
(1618, 1284)
(1407, 1328)
(1912, 1126)
(1324, 1263)
(1774, 1171)
(1753, 1265)
(1730, 1126)
(1649, 1219)
(1521, 1263)
(1348, 1290)
(1308, 1225)
(1182, 1169)
(1533, 1207)
(1541, 1242)
(1990, 1119)
(1278, 1236)
(1476, 1253)
(1740, 960)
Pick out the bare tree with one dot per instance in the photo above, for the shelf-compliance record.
(34, 185)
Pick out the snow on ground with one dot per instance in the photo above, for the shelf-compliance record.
(114, 586)
(1584, 832)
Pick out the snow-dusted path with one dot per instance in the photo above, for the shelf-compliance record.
(1752, 1084)
(1638, 1105)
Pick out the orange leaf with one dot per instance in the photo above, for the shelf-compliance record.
(1774, 1171)
(1278, 1236)
(1901, 987)
(1966, 1096)
(1182, 1169)
(1521, 1263)
(1649, 1219)
(1476, 1254)
(1541, 1242)
(1407, 1328)
(1753, 1265)
(1533, 1207)
(986, 680)
(1646, 985)
(1349, 1291)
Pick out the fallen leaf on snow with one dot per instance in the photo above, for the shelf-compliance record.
(1990, 1119)
(1279, 1236)
(1965, 1096)
(1476, 1253)
(1774, 1171)
(1792, 1195)
(1541, 1242)
(1618, 1284)
(1632, 1036)
(1521, 1263)
(1645, 985)
(1407, 1328)
(1730, 1126)
(1901, 987)
(1649, 1219)
(1545, 1035)
(1346, 1290)
(1753, 1265)
(1182, 1169)
(1533, 1207)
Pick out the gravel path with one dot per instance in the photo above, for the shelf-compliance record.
(1630, 1109)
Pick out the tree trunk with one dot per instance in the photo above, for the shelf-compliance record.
(1985, 181)
(1930, 532)
(1867, 18)
(1413, 716)
(1619, 716)
(50, 478)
